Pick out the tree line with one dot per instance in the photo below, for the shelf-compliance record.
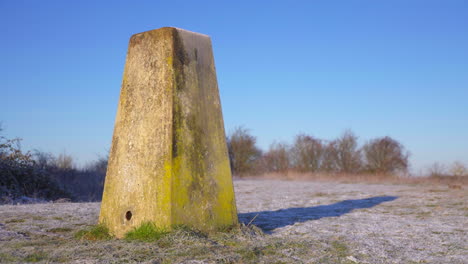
(36, 175)
(41, 175)
(308, 154)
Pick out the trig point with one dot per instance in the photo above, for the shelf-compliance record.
(168, 163)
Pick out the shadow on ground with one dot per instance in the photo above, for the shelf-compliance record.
(269, 220)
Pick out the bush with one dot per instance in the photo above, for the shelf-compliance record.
(85, 184)
(385, 155)
(458, 169)
(329, 158)
(277, 158)
(307, 153)
(243, 152)
(41, 175)
(21, 176)
(438, 170)
(343, 154)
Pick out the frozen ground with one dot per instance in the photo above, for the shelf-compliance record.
(379, 223)
(304, 222)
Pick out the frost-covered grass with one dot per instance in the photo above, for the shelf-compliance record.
(290, 222)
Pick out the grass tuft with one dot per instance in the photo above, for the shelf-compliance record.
(97, 232)
(59, 230)
(340, 248)
(6, 257)
(251, 254)
(15, 221)
(147, 232)
(36, 257)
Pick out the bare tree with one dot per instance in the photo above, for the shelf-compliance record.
(243, 152)
(437, 169)
(329, 157)
(346, 153)
(458, 169)
(385, 155)
(64, 161)
(43, 159)
(277, 158)
(307, 153)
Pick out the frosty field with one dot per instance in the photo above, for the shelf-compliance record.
(298, 222)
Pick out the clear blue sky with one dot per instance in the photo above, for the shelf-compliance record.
(396, 68)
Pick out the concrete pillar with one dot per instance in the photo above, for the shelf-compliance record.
(168, 163)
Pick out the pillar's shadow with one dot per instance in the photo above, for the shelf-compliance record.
(269, 220)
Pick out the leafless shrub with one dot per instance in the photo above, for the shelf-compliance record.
(43, 159)
(243, 152)
(84, 184)
(99, 166)
(277, 158)
(458, 169)
(329, 158)
(385, 156)
(344, 153)
(41, 175)
(94, 175)
(442, 172)
(64, 161)
(307, 153)
(437, 170)
(20, 176)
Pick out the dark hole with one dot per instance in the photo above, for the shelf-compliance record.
(128, 215)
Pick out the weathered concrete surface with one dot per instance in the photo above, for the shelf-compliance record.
(168, 162)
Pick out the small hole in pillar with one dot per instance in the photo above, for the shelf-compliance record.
(128, 215)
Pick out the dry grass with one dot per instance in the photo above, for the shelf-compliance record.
(453, 182)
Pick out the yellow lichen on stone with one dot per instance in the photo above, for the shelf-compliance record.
(168, 163)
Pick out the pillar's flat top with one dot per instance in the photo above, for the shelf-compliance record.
(174, 28)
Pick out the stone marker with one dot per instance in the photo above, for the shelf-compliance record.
(168, 163)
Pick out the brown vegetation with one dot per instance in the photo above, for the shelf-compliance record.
(243, 153)
(20, 175)
(453, 182)
(311, 155)
(382, 159)
(276, 159)
(41, 175)
(385, 155)
(308, 154)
